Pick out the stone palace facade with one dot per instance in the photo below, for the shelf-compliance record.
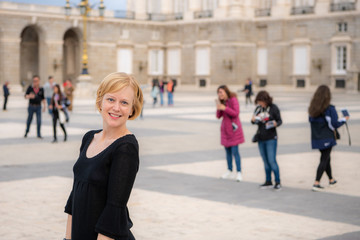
(298, 43)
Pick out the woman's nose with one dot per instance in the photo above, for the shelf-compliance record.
(116, 106)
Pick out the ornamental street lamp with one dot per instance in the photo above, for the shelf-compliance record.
(85, 9)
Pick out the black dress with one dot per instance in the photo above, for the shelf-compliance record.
(101, 189)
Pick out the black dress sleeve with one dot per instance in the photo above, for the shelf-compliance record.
(114, 221)
(68, 206)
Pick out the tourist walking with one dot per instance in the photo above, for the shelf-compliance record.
(324, 123)
(161, 87)
(6, 91)
(105, 171)
(35, 94)
(68, 90)
(267, 117)
(48, 92)
(154, 92)
(232, 135)
(170, 89)
(248, 91)
(58, 111)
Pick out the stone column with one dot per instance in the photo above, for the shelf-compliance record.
(54, 64)
(221, 11)
(166, 6)
(141, 9)
(194, 5)
(322, 7)
(236, 8)
(281, 9)
(10, 62)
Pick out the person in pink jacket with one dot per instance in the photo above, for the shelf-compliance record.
(232, 134)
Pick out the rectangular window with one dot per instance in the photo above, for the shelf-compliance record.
(342, 27)
(341, 56)
(262, 61)
(156, 62)
(301, 63)
(202, 61)
(173, 62)
(125, 60)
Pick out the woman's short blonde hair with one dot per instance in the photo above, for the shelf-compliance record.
(117, 81)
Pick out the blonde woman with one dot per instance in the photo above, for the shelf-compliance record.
(105, 171)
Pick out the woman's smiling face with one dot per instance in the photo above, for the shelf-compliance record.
(116, 107)
(222, 94)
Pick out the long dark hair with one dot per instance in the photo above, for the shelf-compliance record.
(320, 101)
(264, 96)
(59, 92)
(227, 91)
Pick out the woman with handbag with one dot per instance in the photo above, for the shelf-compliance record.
(267, 117)
(232, 134)
(58, 107)
(324, 121)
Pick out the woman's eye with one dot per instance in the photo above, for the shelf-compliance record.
(124, 103)
(110, 99)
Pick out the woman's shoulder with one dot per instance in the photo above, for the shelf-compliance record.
(330, 110)
(127, 143)
(274, 107)
(90, 134)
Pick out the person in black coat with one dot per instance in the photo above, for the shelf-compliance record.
(6, 94)
(267, 117)
(105, 171)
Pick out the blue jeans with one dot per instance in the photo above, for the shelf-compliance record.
(161, 98)
(31, 111)
(233, 151)
(268, 153)
(170, 98)
(48, 100)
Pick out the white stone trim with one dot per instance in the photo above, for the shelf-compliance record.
(102, 44)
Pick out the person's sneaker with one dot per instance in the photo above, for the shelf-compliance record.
(317, 188)
(238, 177)
(266, 185)
(277, 186)
(226, 175)
(333, 183)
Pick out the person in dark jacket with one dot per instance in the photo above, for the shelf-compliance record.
(267, 117)
(324, 121)
(35, 94)
(6, 94)
(248, 91)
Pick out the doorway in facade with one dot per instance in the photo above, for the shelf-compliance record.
(29, 55)
(71, 53)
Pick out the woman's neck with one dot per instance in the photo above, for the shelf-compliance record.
(112, 134)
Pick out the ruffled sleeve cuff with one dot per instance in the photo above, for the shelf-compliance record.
(68, 206)
(114, 222)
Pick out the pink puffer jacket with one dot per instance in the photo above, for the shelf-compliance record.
(230, 115)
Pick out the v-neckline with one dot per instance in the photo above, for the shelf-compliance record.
(105, 149)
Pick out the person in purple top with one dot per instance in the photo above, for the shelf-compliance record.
(232, 134)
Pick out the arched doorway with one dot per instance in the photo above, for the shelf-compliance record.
(71, 53)
(29, 55)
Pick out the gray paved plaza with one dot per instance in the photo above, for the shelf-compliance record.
(178, 193)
